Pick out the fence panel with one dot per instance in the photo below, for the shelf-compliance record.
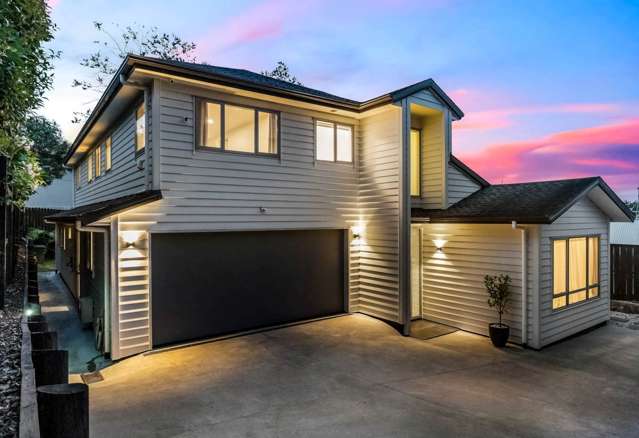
(34, 218)
(624, 270)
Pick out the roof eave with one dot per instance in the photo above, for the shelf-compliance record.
(428, 84)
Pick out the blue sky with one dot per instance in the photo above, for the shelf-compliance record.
(551, 86)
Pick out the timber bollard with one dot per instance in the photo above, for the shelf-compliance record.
(63, 410)
(44, 340)
(51, 366)
(37, 326)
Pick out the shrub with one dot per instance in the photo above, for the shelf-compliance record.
(498, 288)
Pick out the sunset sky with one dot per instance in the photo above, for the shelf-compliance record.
(550, 89)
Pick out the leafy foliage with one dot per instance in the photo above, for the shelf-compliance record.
(113, 47)
(49, 146)
(633, 206)
(498, 288)
(25, 75)
(282, 73)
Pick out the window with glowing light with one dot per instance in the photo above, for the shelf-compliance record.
(140, 128)
(233, 128)
(333, 142)
(415, 163)
(575, 270)
(107, 154)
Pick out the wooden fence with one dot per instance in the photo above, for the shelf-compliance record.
(624, 270)
(34, 218)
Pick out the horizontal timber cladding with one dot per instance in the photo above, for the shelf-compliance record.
(377, 252)
(124, 177)
(210, 284)
(583, 218)
(459, 185)
(453, 289)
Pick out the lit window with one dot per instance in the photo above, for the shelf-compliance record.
(415, 163)
(76, 175)
(107, 154)
(243, 129)
(239, 129)
(575, 270)
(140, 128)
(90, 166)
(98, 161)
(267, 133)
(333, 142)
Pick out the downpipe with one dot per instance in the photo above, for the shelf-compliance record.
(524, 282)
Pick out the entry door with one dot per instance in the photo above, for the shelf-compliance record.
(416, 271)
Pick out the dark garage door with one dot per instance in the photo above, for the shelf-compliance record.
(209, 284)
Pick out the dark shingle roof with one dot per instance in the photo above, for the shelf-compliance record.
(99, 210)
(531, 203)
(256, 78)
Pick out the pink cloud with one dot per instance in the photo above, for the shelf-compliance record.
(265, 20)
(610, 150)
(53, 3)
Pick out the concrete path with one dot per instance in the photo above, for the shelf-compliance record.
(62, 316)
(354, 376)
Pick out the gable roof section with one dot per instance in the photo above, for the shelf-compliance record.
(90, 213)
(526, 203)
(248, 80)
(470, 173)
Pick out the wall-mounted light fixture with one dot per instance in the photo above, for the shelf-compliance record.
(129, 244)
(130, 238)
(356, 232)
(439, 244)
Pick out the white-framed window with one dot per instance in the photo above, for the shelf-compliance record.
(76, 176)
(98, 161)
(107, 154)
(232, 128)
(415, 163)
(140, 128)
(91, 166)
(333, 142)
(575, 270)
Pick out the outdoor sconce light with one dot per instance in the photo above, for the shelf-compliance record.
(356, 232)
(129, 245)
(439, 244)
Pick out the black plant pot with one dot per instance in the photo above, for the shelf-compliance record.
(499, 334)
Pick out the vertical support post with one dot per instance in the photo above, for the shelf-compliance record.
(404, 219)
(115, 315)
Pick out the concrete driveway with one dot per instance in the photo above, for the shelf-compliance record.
(354, 376)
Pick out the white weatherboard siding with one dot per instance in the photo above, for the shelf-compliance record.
(379, 192)
(124, 178)
(453, 280)
(583, 218)
(459, 185)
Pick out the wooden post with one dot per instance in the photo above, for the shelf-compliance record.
(38, 326)
(44, 340)
(51, 366)
(63, 410)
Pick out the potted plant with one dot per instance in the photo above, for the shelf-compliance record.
(498, 288)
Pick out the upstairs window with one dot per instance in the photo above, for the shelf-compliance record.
(76, 176)
(90, 166)
(107, 154)
(575, 270)
(233, 128)
(98, 161)
(415, 163)
(333, 142)
(140, 128)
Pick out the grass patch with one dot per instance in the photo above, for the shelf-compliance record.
(46, 265)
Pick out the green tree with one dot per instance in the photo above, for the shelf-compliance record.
(25, 75)
(113, 47)
(282, 73)
(48, 145)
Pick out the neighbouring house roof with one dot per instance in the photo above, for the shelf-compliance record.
(470, 173)
(90, 213)
(58, 195)
(624, 233)
(528, 203)
(244, 79)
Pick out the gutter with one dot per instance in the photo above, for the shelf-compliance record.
(524, 282)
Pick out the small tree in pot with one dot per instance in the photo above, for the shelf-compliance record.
(498, 288)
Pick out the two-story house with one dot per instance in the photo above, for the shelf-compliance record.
(212, 201)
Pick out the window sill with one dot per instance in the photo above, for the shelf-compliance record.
(576, 305)
(211, 150)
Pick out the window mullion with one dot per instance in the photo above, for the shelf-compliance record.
(335, 142)
(223, 126)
